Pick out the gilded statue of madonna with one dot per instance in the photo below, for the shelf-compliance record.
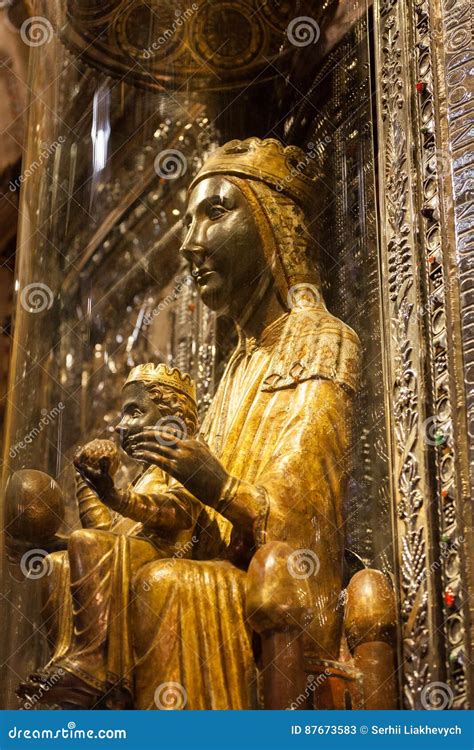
(270, 462)
(273, 454)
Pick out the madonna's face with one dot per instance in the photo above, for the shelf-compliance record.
(222, 245)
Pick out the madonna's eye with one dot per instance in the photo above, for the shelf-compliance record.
(216, 211)
(137, 413)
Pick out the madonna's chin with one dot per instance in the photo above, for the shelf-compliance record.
(213, 296)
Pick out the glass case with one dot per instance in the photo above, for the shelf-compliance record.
(128, 101)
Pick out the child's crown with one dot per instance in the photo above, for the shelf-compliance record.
(170, 377)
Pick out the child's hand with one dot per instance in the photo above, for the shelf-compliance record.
(99, 479)
(95, 470)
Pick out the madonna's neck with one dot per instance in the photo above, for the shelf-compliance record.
(255, 318)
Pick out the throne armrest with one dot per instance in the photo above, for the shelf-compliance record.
(370, 627)
(277, 607)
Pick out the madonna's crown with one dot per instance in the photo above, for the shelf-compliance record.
(170, 377)
(287, 169)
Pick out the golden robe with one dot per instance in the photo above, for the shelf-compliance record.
(92, 582)
(280, 423)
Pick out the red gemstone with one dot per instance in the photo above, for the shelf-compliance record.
(449, 598)
(420, 86)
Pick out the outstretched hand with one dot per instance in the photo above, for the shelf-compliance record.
(98, 477)
(187, 460)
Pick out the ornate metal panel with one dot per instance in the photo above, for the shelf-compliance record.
(446, 438)
(454, 58)
(423, 382)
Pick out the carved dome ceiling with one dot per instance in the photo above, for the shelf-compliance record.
(206, 44)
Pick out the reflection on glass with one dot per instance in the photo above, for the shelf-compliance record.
(127, 107)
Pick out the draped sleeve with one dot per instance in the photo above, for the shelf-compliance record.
(297, 495)
(92, 512)
(149, 501)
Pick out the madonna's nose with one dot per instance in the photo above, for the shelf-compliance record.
(194, 254)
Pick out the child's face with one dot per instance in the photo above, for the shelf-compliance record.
(139, 412)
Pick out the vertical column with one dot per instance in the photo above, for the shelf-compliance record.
(407, 374)
(450, 23)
